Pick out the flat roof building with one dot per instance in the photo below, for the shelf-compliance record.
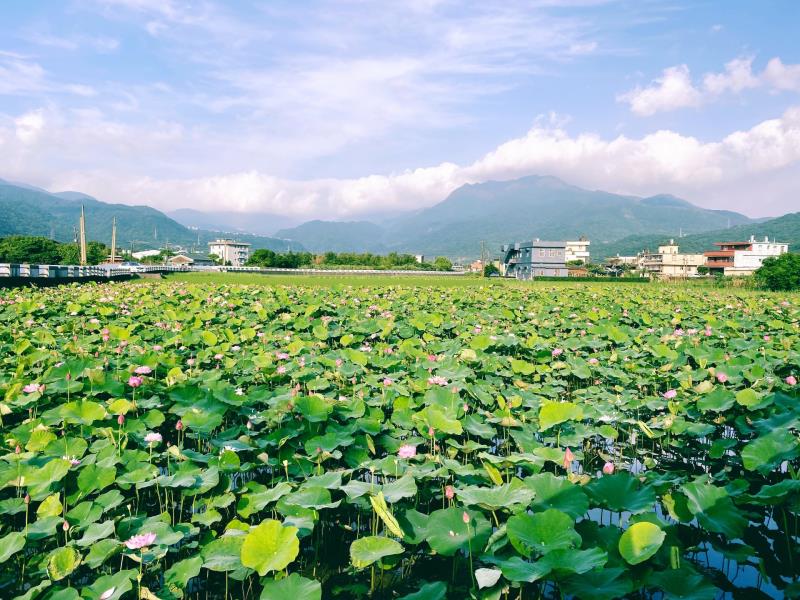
(230, 252)
(528, 260)
(742, 258)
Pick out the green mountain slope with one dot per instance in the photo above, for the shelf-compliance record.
(337, 236)
(547, 208)
(30, 211)
(499, 212)
(784, 229)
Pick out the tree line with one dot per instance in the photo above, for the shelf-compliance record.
(297, 260)
(44, 251)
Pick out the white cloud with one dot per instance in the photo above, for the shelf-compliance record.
(29, 126)
(663, 161)
(738, 76)
(781, 76)
(675, 89)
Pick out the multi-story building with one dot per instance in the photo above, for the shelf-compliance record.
(527, 260)
(742, 258)
(230, 251)
(668, 263)
(577, 250)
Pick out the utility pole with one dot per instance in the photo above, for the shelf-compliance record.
(483, 254)
(113, 240)
(83, 237)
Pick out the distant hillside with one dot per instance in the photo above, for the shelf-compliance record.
(784, 229)
(257, 223)
(30, 211)
(498, 212)
(337, 236)
(547, 208)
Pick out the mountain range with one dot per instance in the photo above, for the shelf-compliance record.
(498, 212)
(28, 210)
(490, 213)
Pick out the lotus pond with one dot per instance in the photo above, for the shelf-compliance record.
(210, 441)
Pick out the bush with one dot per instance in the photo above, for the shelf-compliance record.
(490, 270)
(780, 274)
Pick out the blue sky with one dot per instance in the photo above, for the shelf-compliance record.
(341, 109)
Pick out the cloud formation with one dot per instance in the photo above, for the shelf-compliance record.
(675, 88)
(663, 161)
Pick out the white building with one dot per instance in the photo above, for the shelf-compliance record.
(145, 253)
(669, 263)
(743, 258)
(230, 251)
(578, 250)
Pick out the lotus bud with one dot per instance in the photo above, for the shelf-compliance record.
(121, 420)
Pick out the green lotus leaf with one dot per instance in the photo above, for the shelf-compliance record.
(313, 408)
(555, 413)
(101, 551)
(447, 533)
(367, 550)
(62, 562)
(765, 452)
(683, 584)
(602, 584)
(621, 492)
(10, 544)
(436, 590)
(494, 498)
(223, 553)
(293, 587)
(541, 533)
(179, 574)
(556, 492)
(714, 509)
(640, 542)
(270, 547)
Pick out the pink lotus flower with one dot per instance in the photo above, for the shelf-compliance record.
(179, 425)
(722, 377)
(557, 352)
(121, 420)
(218, 356)
(143, 370)
(437, 380)
(190, 362)
(766, 338)
(281, 370)
(433, 357)
(387, 381)
(157, 348)
(134, 381)
(791, 380)
(449, 492)
(339, 362)
(33, 387)
(670, 394)
(465, 517)
(568, 458)
(142, 540)
(593, 361)
(407, 451)
(608, 468)
(153, 438)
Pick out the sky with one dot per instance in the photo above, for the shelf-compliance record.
(348, 109)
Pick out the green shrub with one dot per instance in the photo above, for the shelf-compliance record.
(780, 274)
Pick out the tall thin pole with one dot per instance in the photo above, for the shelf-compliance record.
(113, 240)
(83, 237)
